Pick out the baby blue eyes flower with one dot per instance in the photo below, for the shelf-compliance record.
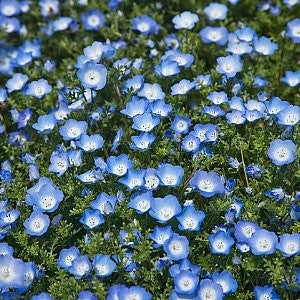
(86, 295)
(17, 82)
(244, 230)
(93, 20)
(291, 78)
(289, 244)
(73, 129)
(208, 289)
(135, 107)
(181, 124)
(186, 282)
(3, 95)
(118, 165)
(133, 292)
(190, 219)
(152, 92)
(185, 20)
(142, 142)
(293, 30)
(59, 163)
(9, 217)
(134, 179)
(38, 89)
(167, 68)
(81, 266)
(92, 75)
(164, 209)
(37, 224)
(220, 242)
(191, 143)
(177, 247)
(264, 46)
(66, 257)
(133, 84)
(160, 235)
(92, 218)
(145, 25)
(245, 34)
(229, 65)
(103, 265)
(236, 117)
(282, 152)
(90, 143)
(98, 51)
(45, 124)
(207, 183)
(41, 296)
(182, 87)
(145, 122)
(289, 116)
(265, 292)
(217, 98)
(170, 175)
(263, 242)
(226, 281)
(210, 34)
(216, 11)
(141, 202)
(47, 199)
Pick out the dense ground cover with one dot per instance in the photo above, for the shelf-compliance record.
(149, 149)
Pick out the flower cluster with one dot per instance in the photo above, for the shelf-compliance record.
(149, 150)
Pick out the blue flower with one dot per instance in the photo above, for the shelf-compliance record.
(263, 242)
(151, 179)
(220, 242)
(66, 257)
(98, 51)
(133, 292)
(93, 20)
(41, 296)
(142, 142)
(229, 65)
(47, 199)
(133, 84)
(236, 117)
(145, 25)
(81, 266)
(102, 200)
(289, 116)
(217, 98)
(239, 48)
(213, 111)
(282, 152)
(289, 244)
(186, 282)
(207, 183)
(183, 59)
(9, 217)
(264, 46)
(277, 194)
(73, 129)
(135, 107)
(86, 295)
(145, 122)
(164, 209)
(170, 175)
(133, 179)
(244, 230)
(59, 163)
(265, 292)
(38, 89)
(90, 143)
(92, 75)
(118, 165)
(37, 224)
(177, 247)
(45, 124)
(91, 176)
(208, 288)
(160, 235)
(191, 143)
(152, 92)
(245, 34)
(291, 78)
(226, 281)
(218, 35)
(167, 68)
(181, 124)
(3, 95)
(182, 87)
(103, 265)
(275, 105)
(141, 202)
(190, 219)
(12, 272)
(216, 11)
(91, 218)
(160, 108)
(16, 83)
(292, 30)
(185, 20)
